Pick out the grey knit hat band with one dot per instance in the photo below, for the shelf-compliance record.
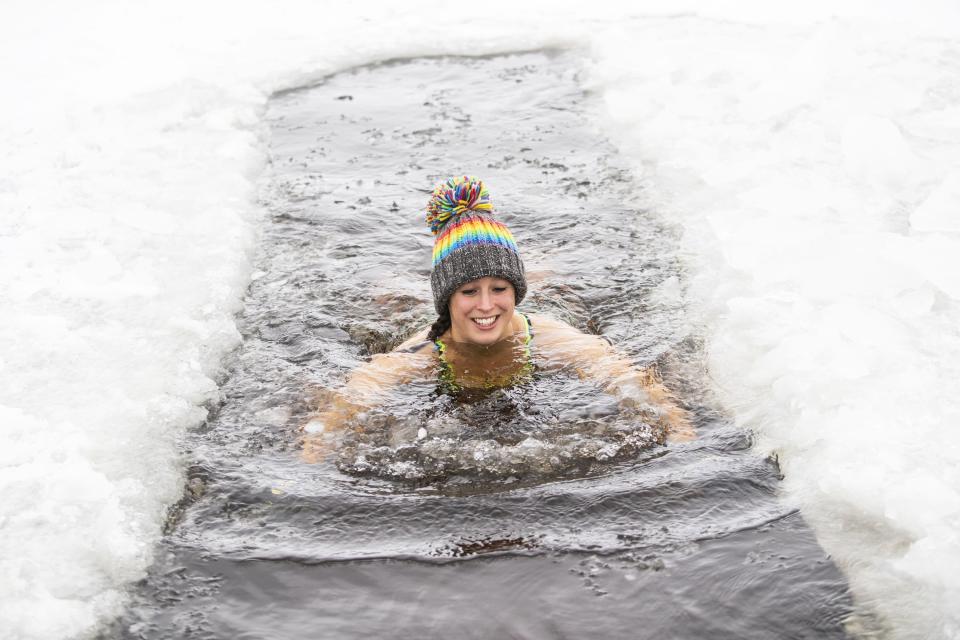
(474, 261)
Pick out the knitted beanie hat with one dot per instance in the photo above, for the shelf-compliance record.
(470, 243)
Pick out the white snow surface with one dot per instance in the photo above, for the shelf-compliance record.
(810, 156)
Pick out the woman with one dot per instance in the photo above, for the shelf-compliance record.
(480, 340)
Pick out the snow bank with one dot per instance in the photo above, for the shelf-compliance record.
(814, 170)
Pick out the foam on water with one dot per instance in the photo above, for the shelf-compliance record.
(498, 435)
(811, 160)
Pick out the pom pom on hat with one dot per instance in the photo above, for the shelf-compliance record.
(455, 196)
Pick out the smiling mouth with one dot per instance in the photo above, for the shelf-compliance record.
(485, 322)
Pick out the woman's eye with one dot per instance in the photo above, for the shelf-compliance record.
(499, 289)
(468, 292)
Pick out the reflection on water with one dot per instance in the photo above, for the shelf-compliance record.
(539, 511)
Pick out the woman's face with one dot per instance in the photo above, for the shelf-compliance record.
(481, 311)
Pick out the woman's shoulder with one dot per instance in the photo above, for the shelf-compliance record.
(416, 343)
(542, 322)
(557, 333)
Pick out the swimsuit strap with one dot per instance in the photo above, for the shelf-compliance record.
(448, 379)
(528, 327)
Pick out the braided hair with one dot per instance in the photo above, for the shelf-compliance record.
(440, 327)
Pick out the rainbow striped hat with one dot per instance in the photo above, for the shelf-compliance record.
(470, 243)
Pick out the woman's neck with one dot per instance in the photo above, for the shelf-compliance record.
(475, 350)
(479, 365)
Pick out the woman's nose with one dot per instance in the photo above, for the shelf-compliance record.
(486, 300)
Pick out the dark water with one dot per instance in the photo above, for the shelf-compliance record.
(558, 529)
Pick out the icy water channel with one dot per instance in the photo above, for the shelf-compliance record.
(550, 514)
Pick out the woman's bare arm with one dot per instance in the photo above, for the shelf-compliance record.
(592, 358)
(366, 387)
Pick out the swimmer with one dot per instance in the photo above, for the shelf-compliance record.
(480, 340)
